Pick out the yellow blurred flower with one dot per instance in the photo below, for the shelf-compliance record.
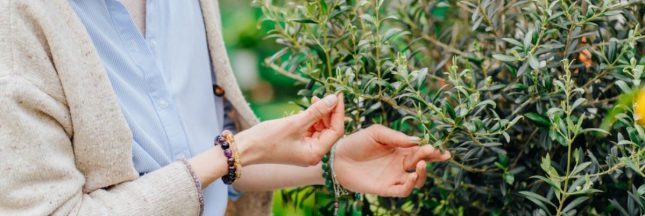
(639, 107)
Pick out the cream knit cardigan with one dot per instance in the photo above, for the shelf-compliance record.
(65, 147)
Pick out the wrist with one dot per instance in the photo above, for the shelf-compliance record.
(209, 166)
(317, 175)
(249, 153)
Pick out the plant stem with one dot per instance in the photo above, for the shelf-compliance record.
(282, 71)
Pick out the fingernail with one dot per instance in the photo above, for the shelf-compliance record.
(414, 139)
(330, 100)
(447, 155)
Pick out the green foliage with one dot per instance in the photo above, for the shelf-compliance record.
(531, 97)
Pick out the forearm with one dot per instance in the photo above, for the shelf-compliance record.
(266, 177)
(212, 164)
(209, 166)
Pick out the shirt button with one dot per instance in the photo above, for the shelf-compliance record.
(163, 103)
(153, 46)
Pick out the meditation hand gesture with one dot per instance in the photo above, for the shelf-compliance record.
(381, 161)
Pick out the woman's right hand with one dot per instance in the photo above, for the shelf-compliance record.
(301, 139)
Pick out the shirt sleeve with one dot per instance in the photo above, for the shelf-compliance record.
(233, 194)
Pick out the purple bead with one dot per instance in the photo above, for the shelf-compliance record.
(220, 139)
(228, 153)
(227, 180)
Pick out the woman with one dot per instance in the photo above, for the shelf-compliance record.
(107, 109)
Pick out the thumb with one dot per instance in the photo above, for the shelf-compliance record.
(319, 109)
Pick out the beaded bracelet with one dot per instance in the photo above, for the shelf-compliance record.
(227, 143)
(327, 173)
(331, 183)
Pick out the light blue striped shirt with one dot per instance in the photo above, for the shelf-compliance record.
(163, 82)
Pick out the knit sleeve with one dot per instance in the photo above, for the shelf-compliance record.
(40, 170)
(39, 174)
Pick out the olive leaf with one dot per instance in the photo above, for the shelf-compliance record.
(461, 75)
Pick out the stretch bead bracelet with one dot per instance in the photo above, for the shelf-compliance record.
(227, 143)
(327, 173)
(331, 183)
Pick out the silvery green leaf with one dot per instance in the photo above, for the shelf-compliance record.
(509, 178)
(638, 71)
(504, 58)
(597, 130)
(506, 137)
(533, 62)
(632, 165)
(641, 190)
(578, 102)
(623, 86)
(580, 167)
(528, 38)
(513, 41)
(421, 77)
(368, 18)
(477, 23)
(537, 199)
(576, 185)
(577, 201)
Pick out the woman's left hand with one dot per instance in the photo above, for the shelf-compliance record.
(381, 161)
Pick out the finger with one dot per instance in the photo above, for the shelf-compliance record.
(314, 99)
(387, 136)
(318, 110)
(445, 156)
(421, 173)
(424, 153)
(337, 117)
(325, 119)
(404, 188)
(319, 126)
(330, 135)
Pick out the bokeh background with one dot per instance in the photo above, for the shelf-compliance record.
(269, 93)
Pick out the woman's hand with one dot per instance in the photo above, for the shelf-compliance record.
(300, 139)
(381, 161)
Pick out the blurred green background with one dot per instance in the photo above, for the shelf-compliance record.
(269, 93)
